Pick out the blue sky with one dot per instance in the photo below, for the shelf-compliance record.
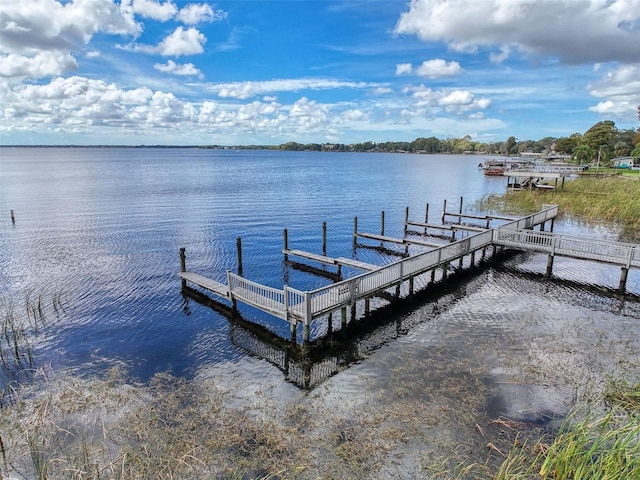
(172, 72)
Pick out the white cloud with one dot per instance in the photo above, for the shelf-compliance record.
(182, 42)
(437, 68)
(18, 67)
(155, 10)
(575, 31)
(403, 68)
(47, 25)
(354, 116)
(244, 90)
(452, 101)
(184, 69)
(498, 58)
(195, 13)
(29, 30)
(620, 91)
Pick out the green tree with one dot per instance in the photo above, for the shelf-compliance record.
(566, 145)
(621, 149)
(509, 145)
(635, 153)
(583, 153)
(601, 137)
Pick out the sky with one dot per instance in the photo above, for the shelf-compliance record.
(264, 72)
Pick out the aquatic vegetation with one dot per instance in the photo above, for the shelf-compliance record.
(18, 329)
(592, 199)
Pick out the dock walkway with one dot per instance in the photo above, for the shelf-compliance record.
(296, 306)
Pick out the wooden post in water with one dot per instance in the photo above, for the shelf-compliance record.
(13, 218)
(183, 264)
(411, 286)
(460, 211)
(292, 330)
(330, 323)
(444, 210)
(406, 220)
(623, 280)
(426, 217)
(324, 238)
(367, 306)
(355, 231)
(549, 266)
(239, 248)
(285, 241)
(382, 223)
(343, 312)
(305, 334)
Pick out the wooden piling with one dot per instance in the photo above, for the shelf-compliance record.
(367, 306)
(324, 238)
(382, 223)
(623, 280)
(285, 241)
(426, 217)
(292, 331)
(406, 220)
(460, 210)
(343, 314)
(444, 209)
(183, 264)
(549, 266)
(13, 218)
(355, 231)
(239, 248)
(306, 333)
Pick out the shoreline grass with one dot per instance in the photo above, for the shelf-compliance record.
(595, 200)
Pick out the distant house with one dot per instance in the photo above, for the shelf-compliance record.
(623, 162)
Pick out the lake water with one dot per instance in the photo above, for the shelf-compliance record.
(99, 230)
(104, 227)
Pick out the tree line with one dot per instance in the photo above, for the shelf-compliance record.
(603, 141)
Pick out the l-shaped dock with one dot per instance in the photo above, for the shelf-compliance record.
(296, 306)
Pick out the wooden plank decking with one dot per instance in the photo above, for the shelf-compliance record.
(206, 283)
(330, 260)
(304, 306)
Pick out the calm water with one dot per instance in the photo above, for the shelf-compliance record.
(103, 227)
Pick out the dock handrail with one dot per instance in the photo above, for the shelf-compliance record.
(613, 252)
(295, 305)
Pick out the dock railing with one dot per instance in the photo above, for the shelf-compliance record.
(617, 253)
(297, 306)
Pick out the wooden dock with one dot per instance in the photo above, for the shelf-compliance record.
(296, 306)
